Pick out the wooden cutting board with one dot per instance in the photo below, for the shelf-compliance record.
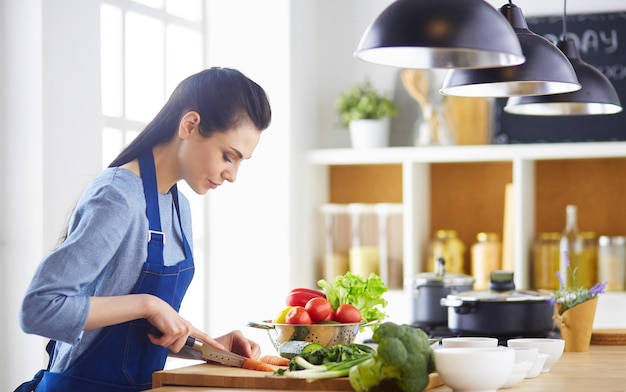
(213, 375)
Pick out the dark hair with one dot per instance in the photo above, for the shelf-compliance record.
(223, 98)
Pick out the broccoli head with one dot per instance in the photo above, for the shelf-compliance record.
(403, 356)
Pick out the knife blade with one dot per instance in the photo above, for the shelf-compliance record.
(210, 353)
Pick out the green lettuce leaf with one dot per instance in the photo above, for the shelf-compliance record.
(366, 294)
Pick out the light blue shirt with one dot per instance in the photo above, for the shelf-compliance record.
(103, 254)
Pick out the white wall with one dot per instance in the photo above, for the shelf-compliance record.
(50, 148)
(21, 200)
(248, 220)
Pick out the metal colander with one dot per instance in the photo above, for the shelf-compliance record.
(324, 334)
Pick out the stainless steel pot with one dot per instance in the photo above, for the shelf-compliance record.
(500, 311)
(430, 288)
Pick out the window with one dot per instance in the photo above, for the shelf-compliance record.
(147, 48)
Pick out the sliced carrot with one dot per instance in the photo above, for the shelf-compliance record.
(255, 364)
(275, 360)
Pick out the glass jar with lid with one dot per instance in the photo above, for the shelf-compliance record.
(486, 257)
(546, 259)
(612, 262)
(587, 273)
(447, 245)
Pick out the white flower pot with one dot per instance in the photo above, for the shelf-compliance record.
(369, 133)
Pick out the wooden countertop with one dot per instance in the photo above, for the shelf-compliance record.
(602, 368)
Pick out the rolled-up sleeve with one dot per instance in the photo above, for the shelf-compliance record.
(56, 304)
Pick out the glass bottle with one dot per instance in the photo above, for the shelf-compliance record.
(572, 245)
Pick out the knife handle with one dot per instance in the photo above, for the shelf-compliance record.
(190, 342)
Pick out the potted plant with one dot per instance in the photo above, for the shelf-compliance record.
(366, 112)
(575, 308)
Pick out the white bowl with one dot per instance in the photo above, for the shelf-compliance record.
(537, 366)
(469, 341)
(470, 369)
(525, 354)
(518, 374)
(553, 347)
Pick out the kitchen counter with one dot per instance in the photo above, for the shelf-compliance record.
(599, 369)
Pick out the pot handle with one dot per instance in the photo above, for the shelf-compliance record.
(449, 302)
(459, 305)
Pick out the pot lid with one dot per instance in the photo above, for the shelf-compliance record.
(447, 280)
(500, 296)
(441, 278)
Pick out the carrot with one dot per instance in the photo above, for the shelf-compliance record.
(255, 364)
(274, 360)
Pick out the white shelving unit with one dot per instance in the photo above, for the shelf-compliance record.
(415, 163)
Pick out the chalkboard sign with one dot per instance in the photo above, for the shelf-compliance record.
(601, 42)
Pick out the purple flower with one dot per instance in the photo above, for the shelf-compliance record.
(598, 288)
(568, 297)
(566, 256)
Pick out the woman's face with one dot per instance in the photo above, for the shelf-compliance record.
(207, 162)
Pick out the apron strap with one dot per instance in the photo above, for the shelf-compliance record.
(174, 191)
(156, 237)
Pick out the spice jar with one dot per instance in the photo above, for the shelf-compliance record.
(486, 257)
(612, 262)
(546, 259)
(447, 245)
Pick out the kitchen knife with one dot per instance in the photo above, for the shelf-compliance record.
(208, 352)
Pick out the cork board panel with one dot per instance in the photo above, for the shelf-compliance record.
(468, 198)
(596, 186)
(365, 184)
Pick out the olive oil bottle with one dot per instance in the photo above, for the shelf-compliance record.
(571, 247)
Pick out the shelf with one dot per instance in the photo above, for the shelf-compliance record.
(462, 187)
(489, 153)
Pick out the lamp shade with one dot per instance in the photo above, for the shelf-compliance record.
(545, 71)
(597, 95)
(440, 34)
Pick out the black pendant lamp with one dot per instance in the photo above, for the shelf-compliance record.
(448, 34)
(545, 71)
(597, 95)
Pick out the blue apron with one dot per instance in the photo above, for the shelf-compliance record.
(122, 358)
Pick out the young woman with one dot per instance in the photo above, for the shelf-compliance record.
(125, 264)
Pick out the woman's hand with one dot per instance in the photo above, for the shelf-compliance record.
(236, 342)
(174, 329)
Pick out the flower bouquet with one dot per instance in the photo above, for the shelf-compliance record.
(575, 308)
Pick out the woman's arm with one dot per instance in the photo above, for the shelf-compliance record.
(105, 311)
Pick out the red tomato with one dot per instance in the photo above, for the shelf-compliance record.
(319, 309)
(347, 314)
(298, 315)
